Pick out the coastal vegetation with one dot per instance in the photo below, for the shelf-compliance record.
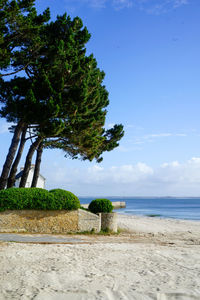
(37, 198)
(65, 199)
(100, 206)
(57, 99)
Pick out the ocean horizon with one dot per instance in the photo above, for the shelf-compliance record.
(184, 208)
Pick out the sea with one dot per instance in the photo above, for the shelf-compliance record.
(163, 207)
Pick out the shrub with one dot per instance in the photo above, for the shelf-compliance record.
(100, 205)
(65, 200)
(37, 198)
(26, 198)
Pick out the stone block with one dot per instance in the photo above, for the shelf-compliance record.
(109, 221)
(88, 221)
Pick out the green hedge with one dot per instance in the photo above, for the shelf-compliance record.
(65, 200)
(36, 198)
(100, 205)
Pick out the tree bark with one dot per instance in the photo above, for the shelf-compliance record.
(11, 154)
(37, 165)
(11, 179)
(27, 166)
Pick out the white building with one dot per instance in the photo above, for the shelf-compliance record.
(41, 179)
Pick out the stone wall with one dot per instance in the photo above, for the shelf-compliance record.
(88, 221)
(38, 221)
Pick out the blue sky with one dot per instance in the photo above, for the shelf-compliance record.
(149, 50)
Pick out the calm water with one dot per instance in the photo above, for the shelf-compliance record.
(178, 208)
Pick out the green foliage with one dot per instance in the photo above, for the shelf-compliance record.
(100, 205)
(36, 198)
(19, 28)
(65, 200)
(63, 93)
(26, 198)
(62, 97)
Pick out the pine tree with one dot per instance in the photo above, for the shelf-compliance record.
(19, 27)
(62, 98)
(13, 171)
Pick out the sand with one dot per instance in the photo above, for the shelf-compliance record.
(152, 259)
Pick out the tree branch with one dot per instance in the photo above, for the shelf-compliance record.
(12, 73)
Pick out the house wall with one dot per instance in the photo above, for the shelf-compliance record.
(39, 221)
(40, 183)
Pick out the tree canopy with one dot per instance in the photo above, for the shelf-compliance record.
(61, 97)
(19, 27)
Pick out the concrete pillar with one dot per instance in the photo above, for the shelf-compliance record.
(109, 221)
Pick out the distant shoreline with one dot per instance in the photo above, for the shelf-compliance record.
(164, 207)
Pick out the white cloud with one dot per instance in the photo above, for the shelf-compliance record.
(99, 175)
(127, 173)
(149, 6)
(119, 4)
(110, 125)
(4, 127)
(97, 3)
(170, 179)
(72, 5)
(194, 160)
(144, 168)
(178, 3)
(155, 136)
(183, 177)
(172, 164)
(158, 7)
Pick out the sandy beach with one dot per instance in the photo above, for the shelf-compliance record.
(151, 258)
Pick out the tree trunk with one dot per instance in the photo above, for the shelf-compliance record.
(37, 165)
(11, 179)
(27, 166)
(11, 154)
